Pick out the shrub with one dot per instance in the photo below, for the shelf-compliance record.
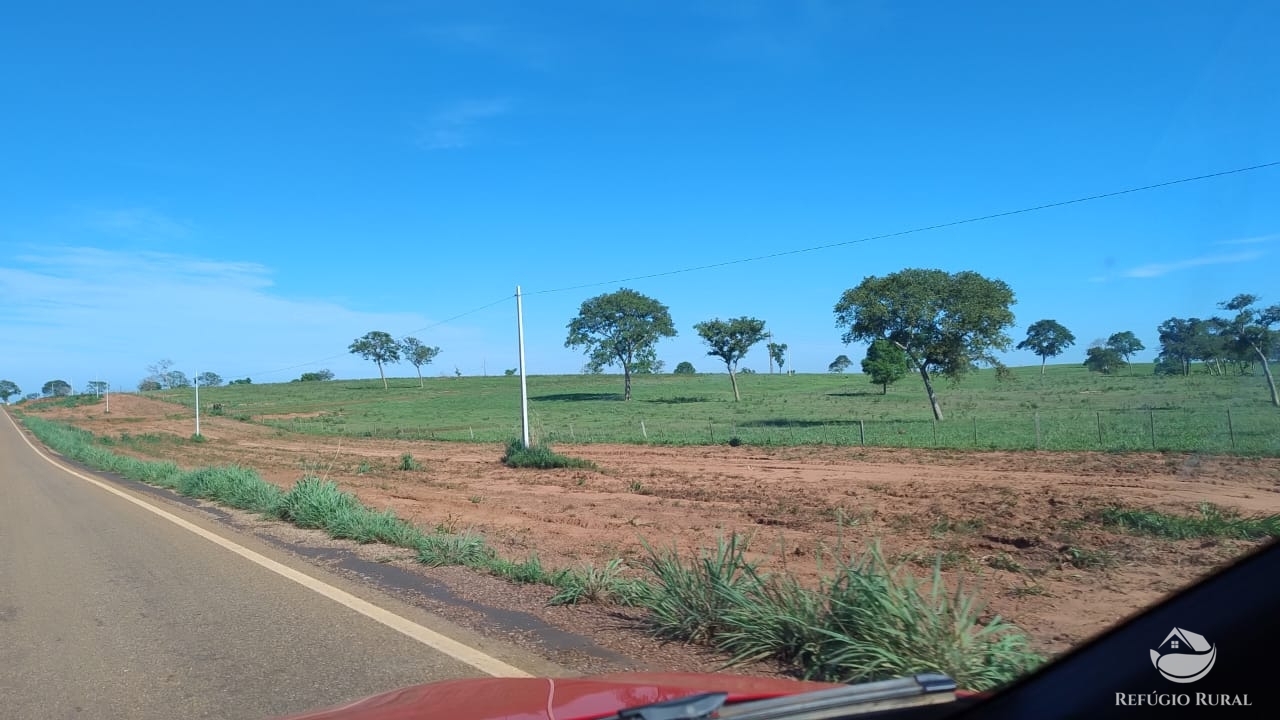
(540, 456)
(684, 368)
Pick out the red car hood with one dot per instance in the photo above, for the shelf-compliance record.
(584, 698)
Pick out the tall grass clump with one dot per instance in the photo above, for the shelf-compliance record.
(1211, 521)
(868, 621)
(540, 456)
(239, 487)
(466, 548)
(80, 445)
(602, 585)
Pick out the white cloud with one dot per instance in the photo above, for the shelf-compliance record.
(455, 126)
(138, 222)
(1159, 269)
(81, 310)
(1260, 240)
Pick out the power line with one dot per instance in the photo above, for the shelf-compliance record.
(926, 228)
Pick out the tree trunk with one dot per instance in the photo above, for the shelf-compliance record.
(383, 376)
(933, 398)
(1266, 370)
(419, 369)
(626, 382)
(734, 380)
(1043, 360)
(771, 365)
(884, 388)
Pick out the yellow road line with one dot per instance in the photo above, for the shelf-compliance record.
(432, 639)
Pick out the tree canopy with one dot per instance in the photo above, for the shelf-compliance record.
(730, 340)
(885, 363)
(777, 355)
(1125, 343)
(208, 379)
(620, 328)
(685, 368)
(1047, 338)
(840, 364)
(418, 354)
(944, 322)
(379, 347)
(56, 388)
(8, 389)
(1103, 359)
(1252, 329)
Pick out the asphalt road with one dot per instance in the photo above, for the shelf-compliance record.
(108, 610)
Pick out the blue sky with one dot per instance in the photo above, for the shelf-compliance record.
(246, 187)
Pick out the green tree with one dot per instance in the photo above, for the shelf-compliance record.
(777, 354)
(886, 363)
(945, 323)
(242, 381)
(840, 364)
(379, 347)
(56, 388)
(1125, 343)
(418, 354)
(730, 340)
(317, 376)
(1103, 359)
(176, 379)
(1253, 329)
(1047, 338)
(620, 328)
(208, 379)
(149, 384)
(685, 368)
(8, 389)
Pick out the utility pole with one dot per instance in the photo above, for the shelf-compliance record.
(524, 390)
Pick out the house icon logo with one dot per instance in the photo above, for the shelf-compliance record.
(1184, 656)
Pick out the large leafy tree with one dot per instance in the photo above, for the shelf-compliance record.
(620, 328)
(840, 364)
(1125, 343)
(1047, 338)
(944, 322)
(208, 379)
(1253, 329)
(8, 389)
(885, 363)
(56, 388)
(1103, 359)
(379, 347)
(730, 340)
(777, 355)
(418, 354)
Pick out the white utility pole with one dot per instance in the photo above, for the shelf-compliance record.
(106, 395)
(524, 390)
(197, 383)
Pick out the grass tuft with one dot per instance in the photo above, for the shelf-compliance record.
(541, 457)
(466, 548)
(1211, 521)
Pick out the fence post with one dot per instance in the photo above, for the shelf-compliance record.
(1099, 414)
(1037, 431)
(935, 433)
(643, 431)
(1151, 413)
(473, 432)
(572, 435)
(862, 433)
(975, 431)
(1231, 430)
(711, 430)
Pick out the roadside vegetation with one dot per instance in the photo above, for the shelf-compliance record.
(867, 620)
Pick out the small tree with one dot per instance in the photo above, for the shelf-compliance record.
(95, 387)
(379, 347)
(840, 364)
(620, 328)
(885, 363)
(685, 368)
(208, 379)
(730, 340)
(777, 354)
(1103, 359)
(149, 384)
(318, 376)
(8, 389)
(1125, 343)
(1047, 338)
(1252, 329)
(175, 379)
(242, 381)
(56, 388)
(418, 354)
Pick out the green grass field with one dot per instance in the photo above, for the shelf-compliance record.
(1076, 410)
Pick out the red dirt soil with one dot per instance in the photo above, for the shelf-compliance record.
(1016, 525)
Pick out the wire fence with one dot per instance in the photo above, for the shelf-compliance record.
(1225, 431)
